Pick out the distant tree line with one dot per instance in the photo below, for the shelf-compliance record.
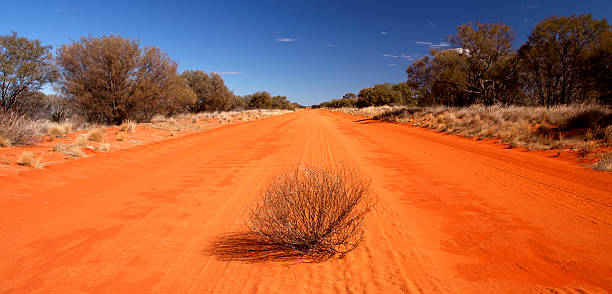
(565, 60)
(110, 79)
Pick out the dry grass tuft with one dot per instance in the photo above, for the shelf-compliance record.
(55, 131)
(4, 142)
(128, 126)
(120, 137)
(20, 130)
(96, 135)
(27, 159)
(604, 163)
(582, 127)
(104, 147)
(82, 140)
(72, 150)
(317, 212)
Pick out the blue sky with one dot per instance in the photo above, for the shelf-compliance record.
(309, 51)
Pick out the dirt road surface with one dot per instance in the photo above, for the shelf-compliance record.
(453, 216)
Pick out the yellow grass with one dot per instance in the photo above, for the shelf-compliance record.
(95, 135)
(4, 142)
(128, 126)
(72, 150)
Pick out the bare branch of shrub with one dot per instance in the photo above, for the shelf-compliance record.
(17, 129)
(316, 211)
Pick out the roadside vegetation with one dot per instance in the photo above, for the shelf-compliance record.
(106, 81)
(552, 92)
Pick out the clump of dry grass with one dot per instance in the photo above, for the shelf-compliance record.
(55, 131)
(604, 163)
(531, 127)
(104, 147)
(27, 159)
(96, 135)
(128, 126)
(72, 150)
(4, 142)
(318, 212)
(371, 111)
(120, 137)
(82, 140)
(171, 124)
(17, 129)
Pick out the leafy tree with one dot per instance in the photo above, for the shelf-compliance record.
(110, 79)
(554, 55)
(260, 100)
(351, 96)
(488, 68)
(596, 73)
(405, 92)
(210, 89)
(381, 94)
(25, 67)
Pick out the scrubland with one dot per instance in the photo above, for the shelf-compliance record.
(586, 129)
(74, 137)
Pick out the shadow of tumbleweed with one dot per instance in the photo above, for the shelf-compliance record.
(250, 247)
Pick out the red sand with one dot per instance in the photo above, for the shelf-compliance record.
(453, 215)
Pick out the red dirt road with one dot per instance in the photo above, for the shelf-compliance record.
(453, 215)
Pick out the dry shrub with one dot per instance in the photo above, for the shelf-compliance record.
(120, 137)
(604, 163)
(95, 135)
(27, 159)
(82, 140)
(20, 130)
(4, 142)
(72, 150)
(128, 126)
(318, 212)
(531, 127)
(104, 147)
(56, 131)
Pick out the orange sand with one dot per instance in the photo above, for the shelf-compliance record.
(453, 215)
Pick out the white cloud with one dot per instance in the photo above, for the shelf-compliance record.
(285, 40)
(391, 55)
(432, 45)
(431, 25)
(384, 33)
(409, 56)
(229, 73)
(391, 64)
(329, 44)
(441, 44)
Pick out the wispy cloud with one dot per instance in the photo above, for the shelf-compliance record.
(431, 25)
(410, 56)
(391, 64)
(329, 44)
(384, 33)
(403, 55)
(229, 73)
(441, 44)
(391, 55)
(434, 45)
(285, 40)
(531, 6)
